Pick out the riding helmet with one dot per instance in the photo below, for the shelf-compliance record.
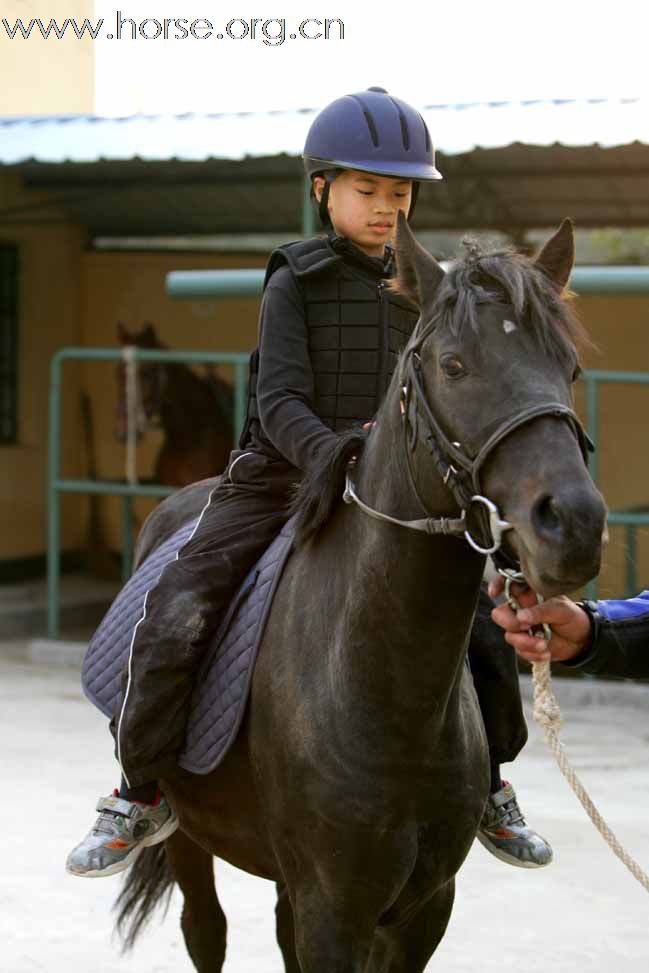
(374, 132)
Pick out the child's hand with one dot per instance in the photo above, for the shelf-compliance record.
(368, 425)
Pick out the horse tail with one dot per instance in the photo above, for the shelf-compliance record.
(148, 884)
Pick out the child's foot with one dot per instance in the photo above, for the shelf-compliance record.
(119, 834)
(505, 834)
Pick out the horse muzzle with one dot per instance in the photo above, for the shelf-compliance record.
(559, 539)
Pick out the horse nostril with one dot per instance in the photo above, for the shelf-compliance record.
(546, 516)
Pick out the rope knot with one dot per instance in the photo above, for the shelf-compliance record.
(546, 708)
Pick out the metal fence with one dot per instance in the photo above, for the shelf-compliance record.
(58, 485)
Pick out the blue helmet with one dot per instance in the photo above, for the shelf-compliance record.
(374, 132)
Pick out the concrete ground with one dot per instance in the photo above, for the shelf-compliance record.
(584, 913)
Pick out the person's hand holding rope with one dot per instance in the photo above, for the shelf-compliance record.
(568, 627)
(569, 624)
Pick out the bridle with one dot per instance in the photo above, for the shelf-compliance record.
(459, 471)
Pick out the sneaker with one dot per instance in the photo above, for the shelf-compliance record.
(505, 834)
(119, 834)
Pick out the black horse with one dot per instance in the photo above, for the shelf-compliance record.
(361, 772)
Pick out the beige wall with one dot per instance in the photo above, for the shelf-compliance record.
(130, 287)
(48, 307)
(46, 77)
(620, 328)
(71, 297)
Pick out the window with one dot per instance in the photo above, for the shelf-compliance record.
(8, 343)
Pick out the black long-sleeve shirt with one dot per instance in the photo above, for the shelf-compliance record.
(285, 386)
(288, 427)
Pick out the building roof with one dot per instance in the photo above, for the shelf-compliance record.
(194, 137)
(507, 165)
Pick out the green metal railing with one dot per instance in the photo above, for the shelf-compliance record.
(57, 485)
(197, 284)
(629, 519)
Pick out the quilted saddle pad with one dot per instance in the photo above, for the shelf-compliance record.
(221, 690)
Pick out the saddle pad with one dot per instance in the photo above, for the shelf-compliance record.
(107, 653)
(221, 690)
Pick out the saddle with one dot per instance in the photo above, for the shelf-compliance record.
(222, 685)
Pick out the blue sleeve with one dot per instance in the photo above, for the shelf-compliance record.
(616, 610)
(619, 644)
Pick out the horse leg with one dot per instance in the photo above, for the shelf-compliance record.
(285, 927)
(331, 936)
(203, 921)
(407, 945)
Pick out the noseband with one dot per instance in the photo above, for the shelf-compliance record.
(459, 471)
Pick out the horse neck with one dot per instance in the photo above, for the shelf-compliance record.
(186, 405)
(418, 592)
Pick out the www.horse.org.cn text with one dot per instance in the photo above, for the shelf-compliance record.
(272, 31)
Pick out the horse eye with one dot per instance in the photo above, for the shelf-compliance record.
(452, 366)
(577, 373)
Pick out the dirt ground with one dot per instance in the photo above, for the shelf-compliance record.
(584, 913)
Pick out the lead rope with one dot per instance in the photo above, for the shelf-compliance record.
(548, 715)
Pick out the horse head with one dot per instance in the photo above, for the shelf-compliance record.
(149, 386)
(486, 387)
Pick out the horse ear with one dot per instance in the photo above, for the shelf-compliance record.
(418, 273)
(148, 335)
(557, 257)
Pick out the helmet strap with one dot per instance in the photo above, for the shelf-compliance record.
(323, 206)
(413, 197)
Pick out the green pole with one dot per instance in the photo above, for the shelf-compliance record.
(127, 536)
(225, 284)
(308, 215)
(592, 421)
(592, 425)
(631, 556)
(53, 500)
(624, 281)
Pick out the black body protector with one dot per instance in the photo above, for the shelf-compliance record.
(357, 328)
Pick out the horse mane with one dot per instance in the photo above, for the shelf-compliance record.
(504, 276)
(320, 490)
